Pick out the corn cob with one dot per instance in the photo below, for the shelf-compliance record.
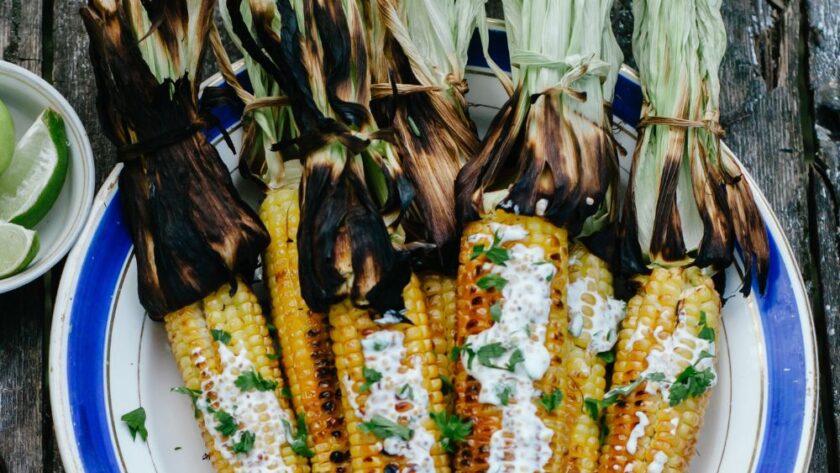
(475, 315)
(440, 303)
(308, 360)
(594, 316)
(217, 344)
(353, 329)
(669, 330)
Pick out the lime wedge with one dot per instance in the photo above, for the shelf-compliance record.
(7, 137)
(18, 249)
(33, 181)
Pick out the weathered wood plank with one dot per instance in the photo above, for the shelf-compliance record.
(824, 82)
(73, 77)
(20, 33)
(22, 326)
(22, 314)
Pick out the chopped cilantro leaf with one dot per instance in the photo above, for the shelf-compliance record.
(592, 407)
(136, 422)
(194, 394)
(492, 281)
(245, 443)
(690, 383)
(551, 401)
(286, 392)
(496, 312)
(706, 333)
(221, 336)
(477, 251)
(384, 428)
(515, 358)
(452, 429)
(371, 377)
(446, 386)
(505, 391)
(271, 327)
(273, 356)
(406, 392)
(298, 440)
(251, 380)
(490, 352)
(607, 356)
(227, 425)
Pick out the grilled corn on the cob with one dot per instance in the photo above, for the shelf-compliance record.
(512, 338)
(593, 325)
(666, 354)
(440, 303)
(225, 355)
(390, 385)
(307, 358)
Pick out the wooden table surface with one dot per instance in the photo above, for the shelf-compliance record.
(781, 111)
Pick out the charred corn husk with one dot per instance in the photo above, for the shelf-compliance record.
(225, 355)
(315, 52)
(422, 48)
(506, 315)
(687, 200)
(665, 369)
(191, 230)
(390, 387)
(306, 348)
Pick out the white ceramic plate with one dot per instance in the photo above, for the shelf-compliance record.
(26, 95)
(107, 358)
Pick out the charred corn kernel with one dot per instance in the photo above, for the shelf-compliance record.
(364, 348)
(478, 307)
(589, 299)
(223, 349)
(308, 359)
(670, 327)
(440, 304)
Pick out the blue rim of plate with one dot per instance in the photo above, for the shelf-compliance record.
(89, 294)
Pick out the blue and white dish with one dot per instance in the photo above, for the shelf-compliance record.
(108, 358)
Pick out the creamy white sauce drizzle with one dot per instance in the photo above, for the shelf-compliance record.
(523, 442)
(637, 432)
(255, 411)
(658, 463)
(629, 467)
(540, 208)
(399, 397)
(675, 422)
(608, 313)
(678, 351)
(390, 317)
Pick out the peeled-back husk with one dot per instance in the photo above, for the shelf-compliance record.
(345, 248)
(552, 140)
(687, 201)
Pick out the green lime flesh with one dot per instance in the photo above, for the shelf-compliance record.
(33, 181)
(18, 249)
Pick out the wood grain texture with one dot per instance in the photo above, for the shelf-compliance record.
(20, 33)
(823, 36)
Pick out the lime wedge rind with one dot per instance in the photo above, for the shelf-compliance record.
(33, 181)
(20, 246)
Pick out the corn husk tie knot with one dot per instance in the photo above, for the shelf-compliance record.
(576, 66)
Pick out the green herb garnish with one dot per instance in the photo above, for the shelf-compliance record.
(136, 422)
(384, 428)
(251, 380)
(245, 443)
(221, 336)
(489, 281)
(452, 429)
(551, 401)
(371, 377)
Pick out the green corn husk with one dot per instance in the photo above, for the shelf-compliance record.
(687, 201)
(423, 44)
(315, 52)
(191, 230)
(552, 140)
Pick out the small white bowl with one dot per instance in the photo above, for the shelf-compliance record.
(26, 95)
